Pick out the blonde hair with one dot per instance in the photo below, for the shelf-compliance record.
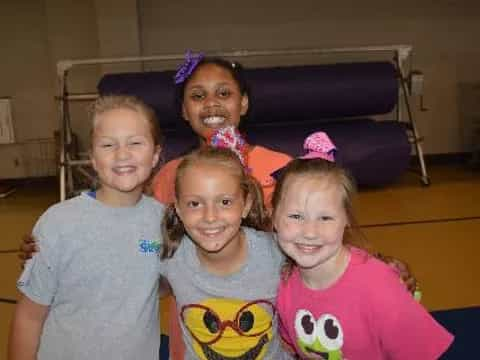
(112, 102)
(330, 171)
(257, 218)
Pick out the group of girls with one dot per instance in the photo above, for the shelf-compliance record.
(304, 290)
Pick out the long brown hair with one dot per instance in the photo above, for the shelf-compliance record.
(324, 169)
(173, 229)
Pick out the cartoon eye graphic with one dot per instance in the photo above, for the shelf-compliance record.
(329, 332)
(305, 326)
(211, 321)
(245, 323)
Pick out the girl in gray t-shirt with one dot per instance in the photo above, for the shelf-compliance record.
(92, 290)
(224, 271)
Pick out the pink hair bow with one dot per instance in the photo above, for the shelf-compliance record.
(319, 145)
(229, 137)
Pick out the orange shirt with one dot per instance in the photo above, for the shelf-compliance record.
(261, 161)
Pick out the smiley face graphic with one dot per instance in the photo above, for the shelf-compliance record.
(229, 329)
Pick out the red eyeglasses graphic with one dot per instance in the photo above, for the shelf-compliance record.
(245, 321)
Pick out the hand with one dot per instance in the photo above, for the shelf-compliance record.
(28, 248)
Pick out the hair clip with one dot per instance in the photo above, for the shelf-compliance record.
(186, 69)
(230, 138)
(319, 146)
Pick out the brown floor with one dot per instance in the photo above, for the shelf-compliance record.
(434, 229)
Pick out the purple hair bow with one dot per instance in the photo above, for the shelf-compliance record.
(319, 145)
(186, 69)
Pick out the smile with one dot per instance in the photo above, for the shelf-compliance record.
(323, 355)
(214, 120)
(124, 169)
(253, 353)
(212, 232)
(308, 248)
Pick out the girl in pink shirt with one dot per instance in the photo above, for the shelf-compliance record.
(335, 300)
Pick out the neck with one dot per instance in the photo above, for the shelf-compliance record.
(118, 199)
(228, 260)
(325, 275)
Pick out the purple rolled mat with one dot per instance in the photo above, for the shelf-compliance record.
(288, 103)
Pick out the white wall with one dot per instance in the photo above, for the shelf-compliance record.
(444, 35)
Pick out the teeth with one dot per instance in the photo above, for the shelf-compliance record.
(211, 231)
(308, 248)
(214, 120)
(124, 169)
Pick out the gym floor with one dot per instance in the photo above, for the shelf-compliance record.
(434, 229)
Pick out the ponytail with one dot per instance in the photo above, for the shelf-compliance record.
(172, 231)
(258, 216)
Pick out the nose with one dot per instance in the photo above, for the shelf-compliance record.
(123, 152)
(310, 229)
(211, 100)
(210, 213)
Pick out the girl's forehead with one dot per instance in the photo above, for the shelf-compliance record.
(211, 73)
(302, 188)
(205, 179)
(213, 167)
(120, 120)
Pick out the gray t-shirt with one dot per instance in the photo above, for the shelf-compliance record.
(98, 271)
(228, 317)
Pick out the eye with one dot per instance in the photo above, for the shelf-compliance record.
(197, 96)
(305, 326)
(136, 142)
(326, 218)
(211, 321)
(224, 93)
(193, 204)
(329, 332)
(105, 145)
(294, 216)
(227, 202)
(245, 323)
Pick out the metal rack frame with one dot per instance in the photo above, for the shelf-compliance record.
(70, 164)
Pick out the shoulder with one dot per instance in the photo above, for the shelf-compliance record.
(377, 284)
(259, 237)
(263, 243)
(263, 162)
(170, 166)
(63, 217)
(153, 205)
(261, 153)
(67, 208)
(163, 183)
(367, 269)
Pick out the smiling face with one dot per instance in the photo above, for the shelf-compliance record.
(310, 221)
(123, 154)
(211, 204)
(212, 100)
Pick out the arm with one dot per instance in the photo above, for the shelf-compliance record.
(26, 329)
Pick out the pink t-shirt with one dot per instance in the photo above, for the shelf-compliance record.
(366, 314)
